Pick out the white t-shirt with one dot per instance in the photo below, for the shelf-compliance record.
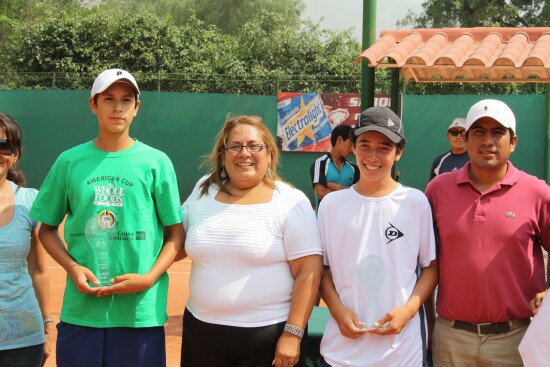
(374, 247)
(240, 274)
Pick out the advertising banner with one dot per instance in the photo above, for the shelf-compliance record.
(305, 120)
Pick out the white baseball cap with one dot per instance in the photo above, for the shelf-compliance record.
(108, 77)
(458, 122)
(497, 110)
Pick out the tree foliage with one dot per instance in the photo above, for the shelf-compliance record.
(230, 15)
(227, 15)
(87, 40)
(478, 13)
(15, 12)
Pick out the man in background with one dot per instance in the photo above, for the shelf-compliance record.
(332, 171)
(455, 158)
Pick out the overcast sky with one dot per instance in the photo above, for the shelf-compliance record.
(345, 14)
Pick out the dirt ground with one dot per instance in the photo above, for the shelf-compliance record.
(177, 297)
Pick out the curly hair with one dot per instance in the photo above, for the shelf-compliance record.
(215, 159)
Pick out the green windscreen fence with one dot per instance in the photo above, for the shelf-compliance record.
(184, 126)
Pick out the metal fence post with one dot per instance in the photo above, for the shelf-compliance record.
(158, 82)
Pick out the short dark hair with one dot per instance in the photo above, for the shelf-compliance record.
(340, 130)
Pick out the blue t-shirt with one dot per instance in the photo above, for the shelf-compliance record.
(448, 162)
(20, 317)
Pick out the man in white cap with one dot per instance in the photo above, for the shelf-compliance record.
(122, 231)
(492, 222)
(455, 158)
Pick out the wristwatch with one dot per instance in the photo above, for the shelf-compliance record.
(294, 330)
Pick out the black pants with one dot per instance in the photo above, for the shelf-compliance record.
(22, 357)
(211, 345)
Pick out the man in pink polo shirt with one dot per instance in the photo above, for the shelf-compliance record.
(492, 221)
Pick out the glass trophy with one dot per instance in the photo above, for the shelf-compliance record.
(372, 272)
(98, 231)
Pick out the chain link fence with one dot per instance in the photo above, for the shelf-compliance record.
(262, 84)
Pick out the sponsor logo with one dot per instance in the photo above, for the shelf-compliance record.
(392, 233)
(106, 219)
(109, 195)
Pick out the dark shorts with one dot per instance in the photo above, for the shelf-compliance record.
(210, 345)
(81, 346)
(22, 357)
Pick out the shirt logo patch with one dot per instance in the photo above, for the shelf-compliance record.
(392, 233)
(510, 215)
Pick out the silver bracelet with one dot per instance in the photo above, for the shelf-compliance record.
(48, 320)
(294, 330)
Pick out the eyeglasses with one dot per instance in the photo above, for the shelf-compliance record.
(6, 148)
(253, 148)
(455, 132)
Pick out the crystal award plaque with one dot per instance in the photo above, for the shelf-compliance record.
(99, 229)
(372, 272)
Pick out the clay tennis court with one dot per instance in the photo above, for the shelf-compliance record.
(177, 297)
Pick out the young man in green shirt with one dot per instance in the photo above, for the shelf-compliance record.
(122, 232)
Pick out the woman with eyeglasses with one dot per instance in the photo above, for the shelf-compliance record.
(25, 319)
(256, 254)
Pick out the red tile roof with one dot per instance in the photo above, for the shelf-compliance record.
(482, 54)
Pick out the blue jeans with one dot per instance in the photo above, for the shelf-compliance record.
(22, 357)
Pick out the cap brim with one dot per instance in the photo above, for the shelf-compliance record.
(492, 116)
(121, 80)
(390, 134)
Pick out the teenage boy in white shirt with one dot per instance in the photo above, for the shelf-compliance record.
(379, 256)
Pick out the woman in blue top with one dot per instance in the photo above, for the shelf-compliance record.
(25, 321)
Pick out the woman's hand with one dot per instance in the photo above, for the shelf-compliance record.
(49, 341)
(287, 352)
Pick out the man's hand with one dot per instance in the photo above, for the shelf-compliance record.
(125, 284)
(81, 276)
(396, 319)
(349, 324)
(536, 302)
